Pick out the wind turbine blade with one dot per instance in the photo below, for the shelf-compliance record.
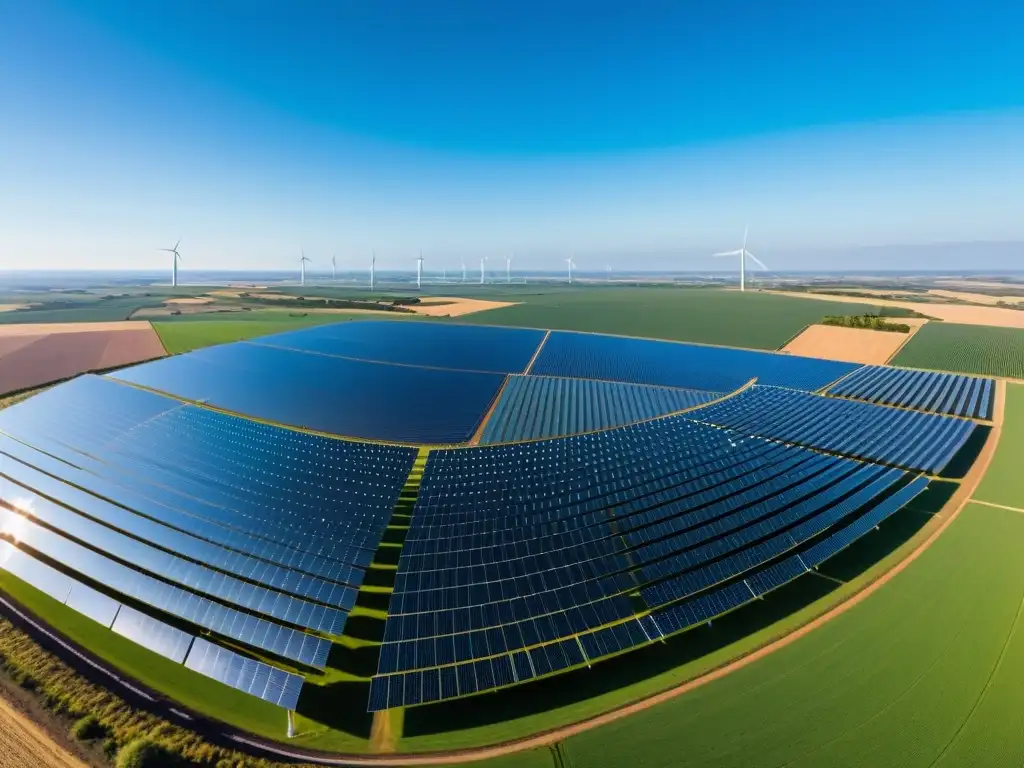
(756, 260)
(728, 253)
(746, 229)
(177, 244)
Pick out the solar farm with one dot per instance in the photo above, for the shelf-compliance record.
(509, 505)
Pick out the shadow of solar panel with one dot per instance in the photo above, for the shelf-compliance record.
(244, 674)
(152, 634)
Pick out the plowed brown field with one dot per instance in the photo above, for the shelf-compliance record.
(35, 354)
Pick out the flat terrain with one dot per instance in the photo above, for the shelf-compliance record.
(33, 355)
(184, 335)
(966, 349)
(853, 345)
(23, 743)
(754, 319)
(450, 306)
(953, 313)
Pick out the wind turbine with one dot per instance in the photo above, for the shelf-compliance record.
(743, 253)
(174, 262)
(571, 265)
(483, 260)
(373, 264)
(463, 269)
(508, 269)
(419, 271)
(302, 268)
(334, 268)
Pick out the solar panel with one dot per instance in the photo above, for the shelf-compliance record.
(245, 674)
(153, 634)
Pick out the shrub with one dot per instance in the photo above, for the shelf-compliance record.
(89, 728)
(143, 753)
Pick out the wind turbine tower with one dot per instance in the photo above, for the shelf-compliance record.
(483, 261)
(463, 269)
(302, 268)
(373, 264)
(174, 262)
(744, 254)
(419, 271)
(508, 269)
(334, 268)
(571, 265)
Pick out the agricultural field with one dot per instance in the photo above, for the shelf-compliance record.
(82, 309)
(1004, 482)
(704, 315)
(966, 349)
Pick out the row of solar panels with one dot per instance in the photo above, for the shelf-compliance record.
(904, 438)
(461, 679)
(248, 675)
(731, 545)
(947, 393)
(255, 533)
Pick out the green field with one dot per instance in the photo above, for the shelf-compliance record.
(708, 316)
(79, 309)
(1004, 481)
(182, 335)
(978, 349)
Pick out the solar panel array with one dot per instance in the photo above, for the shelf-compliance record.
(536, 407)
(524, 559)
(904, 438)
(255, 533)
(670, 364)
(254, 677)
(929, 391)
(161, 518)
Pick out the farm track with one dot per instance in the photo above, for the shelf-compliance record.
(22, 742)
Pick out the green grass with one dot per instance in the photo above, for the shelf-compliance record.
(977, 349)
(1004, 482)
(185, 335)
(708, 316)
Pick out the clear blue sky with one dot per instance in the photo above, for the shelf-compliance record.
(618, 130)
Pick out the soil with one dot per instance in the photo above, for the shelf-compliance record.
(194, 300)
(13, 307)
(455, 307)
(35, 354)
(853, 345)
(28, 736)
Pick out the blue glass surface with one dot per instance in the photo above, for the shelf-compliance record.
(671, 364)
(535, 407)
(437, 345)
(245, 674)
(337, 395)
(945, 393)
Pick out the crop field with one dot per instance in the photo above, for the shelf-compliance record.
(709, 316)
(1004, 482)
(184, 335)
(966, 349)
(78, 309)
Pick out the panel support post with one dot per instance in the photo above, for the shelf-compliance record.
(291, 724)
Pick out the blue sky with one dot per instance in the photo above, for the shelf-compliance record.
(644, 134)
